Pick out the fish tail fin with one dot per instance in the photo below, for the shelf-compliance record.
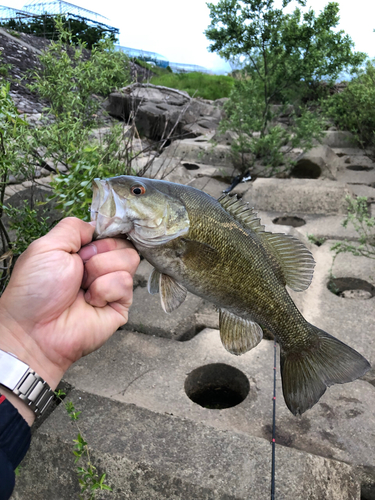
(308, 372)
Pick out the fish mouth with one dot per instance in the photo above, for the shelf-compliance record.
(108, 211)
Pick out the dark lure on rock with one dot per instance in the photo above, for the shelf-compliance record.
(218, 250)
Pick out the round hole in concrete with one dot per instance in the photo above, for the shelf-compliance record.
(289, 220)
(306, 169)
(351, 288)
(357, 168)
(191, 166)
(217, 386)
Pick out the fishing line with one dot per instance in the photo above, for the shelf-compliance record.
(273, 425)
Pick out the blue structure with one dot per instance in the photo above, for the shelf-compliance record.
(159, 60)
(187, 68)
(145, 55)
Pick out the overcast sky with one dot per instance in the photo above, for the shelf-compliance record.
(174, 28)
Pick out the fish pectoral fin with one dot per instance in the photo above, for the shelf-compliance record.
(294, 260)
(198, 256)
(238, 335)
(153, 282)
(307, 372)
(172, 294)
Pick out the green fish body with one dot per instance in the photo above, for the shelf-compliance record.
(218, 250)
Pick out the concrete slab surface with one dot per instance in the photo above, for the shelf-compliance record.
(152, 456)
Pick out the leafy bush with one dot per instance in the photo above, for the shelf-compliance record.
(27, 224)
(70, 78)
(364, 225)
(110, 157)
(353, 108)
(244, 114)
(72, 82)
(197, 84)
(15, 159)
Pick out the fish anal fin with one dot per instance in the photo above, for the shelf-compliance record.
(238, 335)
(172, 294)
(294, 260)
(307, 373)
(153, 282)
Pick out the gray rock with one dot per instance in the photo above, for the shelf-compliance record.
(169, 169)
(150, 456)
(161, 111)
(227, 138)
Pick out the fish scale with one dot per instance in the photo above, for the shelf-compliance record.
(218, 250)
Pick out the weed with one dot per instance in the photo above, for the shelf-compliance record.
(315, 240)
(88, 477)
(363, 224)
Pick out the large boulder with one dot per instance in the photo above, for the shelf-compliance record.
(160, 112)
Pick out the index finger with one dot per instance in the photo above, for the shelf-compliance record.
(102, 246)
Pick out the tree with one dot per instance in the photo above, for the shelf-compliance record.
(282, 55)
(45, 26)
(283, 51)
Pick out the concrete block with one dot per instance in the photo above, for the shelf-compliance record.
(298, 196)
(149, 456)
(319, 226)
(318, 162)
(339, 139)
(209, 185)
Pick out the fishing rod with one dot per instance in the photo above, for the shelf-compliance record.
(273, 425)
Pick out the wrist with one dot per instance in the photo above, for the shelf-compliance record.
(15, 341)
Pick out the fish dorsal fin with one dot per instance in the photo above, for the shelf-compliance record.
(172, 294)
(238, 335)
(153, 282)
(293, 258)
(242, 212)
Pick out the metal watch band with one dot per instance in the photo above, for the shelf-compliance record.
(19, 378)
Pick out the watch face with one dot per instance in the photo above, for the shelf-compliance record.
(11, 370)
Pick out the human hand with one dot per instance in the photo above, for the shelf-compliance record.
(47, 319)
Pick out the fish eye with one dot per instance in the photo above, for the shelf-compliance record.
(138, 190)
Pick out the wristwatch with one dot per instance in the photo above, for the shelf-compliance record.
(19, 378)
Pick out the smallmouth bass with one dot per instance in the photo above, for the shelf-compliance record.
(218, 250)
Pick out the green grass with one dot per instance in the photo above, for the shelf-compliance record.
(197, 84)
